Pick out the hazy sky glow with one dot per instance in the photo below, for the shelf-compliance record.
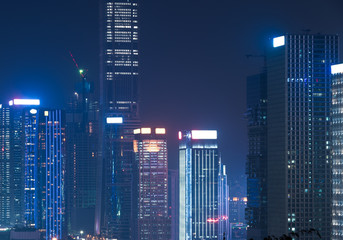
(192, 57)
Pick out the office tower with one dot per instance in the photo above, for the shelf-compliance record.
(5, 192)
(299, 156)
(119, 55)
(82, 132)
(256, 167)
(151, 180)
(173, 203)
(199, 168)
(50, 172)
(36, 143)
(337, 143)
(118, 94)
(223, 203)
(117, 193)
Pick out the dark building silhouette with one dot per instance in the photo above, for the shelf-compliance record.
(299, 159)
(82, 139)
(173, 203)
(256, 167)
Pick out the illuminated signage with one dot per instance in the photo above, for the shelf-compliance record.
(180, 135)
(160, 131)
(337, 69)
(137, 131)
(204, 134)
(279, 41)
(25, 102)
(146, 130)
(114, 120)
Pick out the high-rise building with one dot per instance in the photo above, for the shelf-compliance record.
(118, 94)
(117, 176)
(151, 180)
(337, 153)
(82, 132)
(36, 150)
(299, 158)
(5, 170)
(256, 167)
(199, 171)
(173, 203)
(119, 55)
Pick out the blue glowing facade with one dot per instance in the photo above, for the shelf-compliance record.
(35, 141)
(201, 194)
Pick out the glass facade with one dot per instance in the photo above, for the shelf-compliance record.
(151, 161)
(299, 134)
(5, 192)
(199, 168)
(337, 155)
(256, 167)
(120, 55)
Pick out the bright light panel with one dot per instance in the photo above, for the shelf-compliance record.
(204, 134)
(146, 130)
(114, 120)
(336, 69)
(137, 131)
(279, 41)
(160, 131)
(26, 102)
(180, 135)
(33, 111)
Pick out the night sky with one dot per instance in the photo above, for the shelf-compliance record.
(193, 61)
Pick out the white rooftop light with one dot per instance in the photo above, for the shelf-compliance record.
(114, 120)
(25, 102)
(336, 69)
(279, 41)
(204, 134)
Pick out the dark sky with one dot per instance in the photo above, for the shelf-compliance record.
(192, 57)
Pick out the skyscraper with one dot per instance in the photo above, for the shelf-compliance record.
(5, 170)
(82, 133)
(36, 149)
(199, 171)
(119, 55)
(337, 143)
(299, 159)
(118, 94)
(256, 167)
(151, 180)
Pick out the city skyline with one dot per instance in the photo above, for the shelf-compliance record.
(34, 62)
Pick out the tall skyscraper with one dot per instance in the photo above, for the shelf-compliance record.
(82, 133)
(299, 156)
(151, 180)
(199, 172)
(337, 143)
(118, 94)
(256, 167)
(5, 170)
(36, 150)
(119, 55)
